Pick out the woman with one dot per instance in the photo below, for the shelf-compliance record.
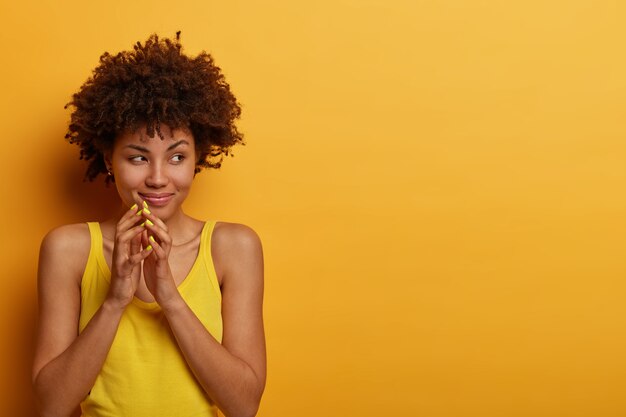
(152, 312)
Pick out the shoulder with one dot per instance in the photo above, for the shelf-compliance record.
(68, 244)
(70, 236)
(235, 236)
(233, 245)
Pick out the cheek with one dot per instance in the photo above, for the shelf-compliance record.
(183, 178)
(182, 175)
(128, 180)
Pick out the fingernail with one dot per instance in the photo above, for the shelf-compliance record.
(152, 239)
(149, 223)
(134, 207)
(139, 212)
(146, 211)
(149, 247)
(145, 205)
(143, 224)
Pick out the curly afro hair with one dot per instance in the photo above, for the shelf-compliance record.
(154, 84)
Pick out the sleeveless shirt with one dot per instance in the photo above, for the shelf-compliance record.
(145, 373)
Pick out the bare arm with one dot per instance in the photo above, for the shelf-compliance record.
(232, 373)
(66, 364)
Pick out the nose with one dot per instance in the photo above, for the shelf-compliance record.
(157, 176)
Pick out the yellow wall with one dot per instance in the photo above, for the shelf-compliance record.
(439, 186)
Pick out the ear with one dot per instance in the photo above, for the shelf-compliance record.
(107, 160)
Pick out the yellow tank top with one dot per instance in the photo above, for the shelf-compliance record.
(145, 373)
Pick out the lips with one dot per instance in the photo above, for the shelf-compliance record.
(157, 199)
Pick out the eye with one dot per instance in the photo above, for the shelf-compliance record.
(178, 158)
(137, 158)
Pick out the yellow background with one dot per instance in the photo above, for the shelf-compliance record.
(439, 187)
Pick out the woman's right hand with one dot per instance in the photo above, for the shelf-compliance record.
(127, 258)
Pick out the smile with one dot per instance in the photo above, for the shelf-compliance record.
(157, 199)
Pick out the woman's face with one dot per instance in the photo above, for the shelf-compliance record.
(157, 171)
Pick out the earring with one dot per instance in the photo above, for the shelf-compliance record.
(109, 173)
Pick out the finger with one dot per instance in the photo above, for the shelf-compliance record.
(144, 239)
(126, 237)
(157, 231)
(124, 246)
(135, 244)
(148, 215)
(138, 257)
(157, 248)
(131, 217)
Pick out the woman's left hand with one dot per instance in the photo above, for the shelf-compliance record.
(156, 268)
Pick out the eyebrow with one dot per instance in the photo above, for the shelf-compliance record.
(146, 150)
